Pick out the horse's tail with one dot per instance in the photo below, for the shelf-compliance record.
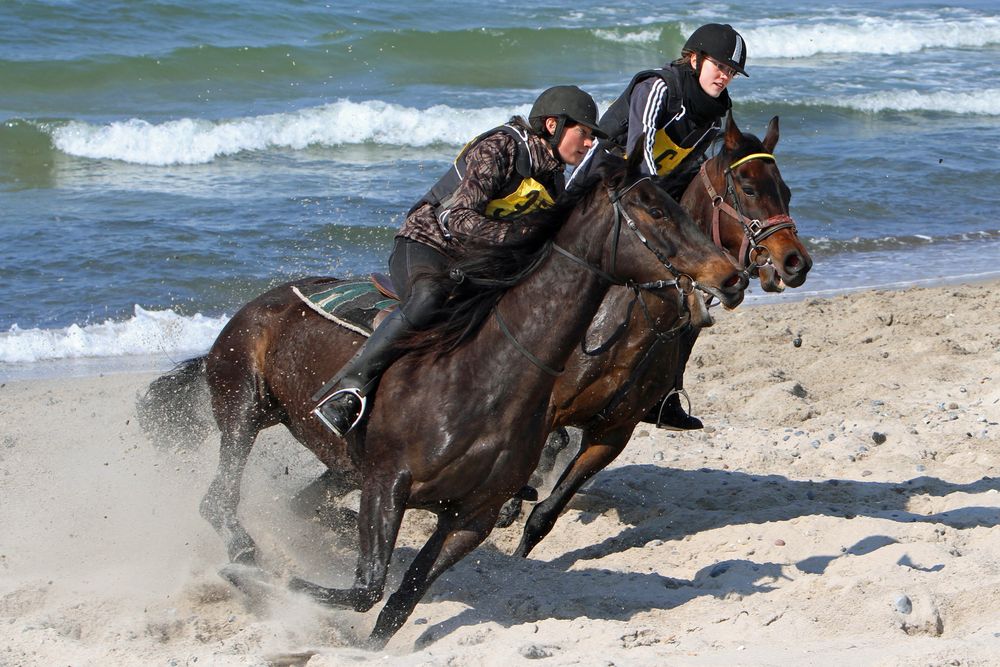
(175, 410)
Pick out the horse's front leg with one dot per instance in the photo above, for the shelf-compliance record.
(383, 501)
(596, 452)
(318, 500)
(557, 441)
(452, 540)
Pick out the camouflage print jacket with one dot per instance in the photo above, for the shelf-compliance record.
(490, 171)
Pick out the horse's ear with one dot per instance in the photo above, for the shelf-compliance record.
(607, 167)
(771, 138)
(733, 134)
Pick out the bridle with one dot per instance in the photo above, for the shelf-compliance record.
(753, 255)
(682, 282)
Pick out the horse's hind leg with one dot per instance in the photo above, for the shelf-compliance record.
(451, 541)
(595, 454)
(220, 504)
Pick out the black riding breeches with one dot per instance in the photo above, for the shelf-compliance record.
(410, 264)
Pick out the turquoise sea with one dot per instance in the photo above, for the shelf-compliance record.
(161, 163)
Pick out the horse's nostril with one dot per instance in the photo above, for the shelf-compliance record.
(734, 281)
(793, 262)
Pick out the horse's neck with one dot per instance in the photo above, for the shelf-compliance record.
(549, 312)
(698, 202)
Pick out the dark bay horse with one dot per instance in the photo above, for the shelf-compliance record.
(463, 454)
(740, 199)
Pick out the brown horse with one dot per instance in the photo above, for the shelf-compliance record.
(463, 454)
(740, 199)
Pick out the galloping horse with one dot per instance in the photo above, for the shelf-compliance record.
(740, 199)
(464, 454)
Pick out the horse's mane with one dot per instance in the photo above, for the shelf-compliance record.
(482, 275)
(486, 271)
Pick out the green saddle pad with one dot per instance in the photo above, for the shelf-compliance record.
(350, 303)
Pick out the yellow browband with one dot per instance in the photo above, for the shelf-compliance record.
(752, 156)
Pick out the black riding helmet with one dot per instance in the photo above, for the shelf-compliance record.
(566, 103)
(721, 42)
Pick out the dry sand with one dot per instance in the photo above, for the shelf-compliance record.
(841, 507)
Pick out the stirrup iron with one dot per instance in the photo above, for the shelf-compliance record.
(356, 393)
(663, 404)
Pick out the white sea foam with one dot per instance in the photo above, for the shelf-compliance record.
(980, 102)
(796, 37)
(866, 34)
(188, 141)
(147, 332)
(629, 36)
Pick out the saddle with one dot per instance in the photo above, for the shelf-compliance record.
(358, 304)
(383, 283)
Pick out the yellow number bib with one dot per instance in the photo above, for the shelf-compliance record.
(529, 196)
(667, 154)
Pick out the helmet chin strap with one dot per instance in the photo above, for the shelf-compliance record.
(557, 136)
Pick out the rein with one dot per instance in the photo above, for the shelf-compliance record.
(753, 255)
(548, 370)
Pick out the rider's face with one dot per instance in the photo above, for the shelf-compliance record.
(576, 141)
(715, 76)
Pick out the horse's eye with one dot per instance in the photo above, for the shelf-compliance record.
(656, 213)
(749, 192)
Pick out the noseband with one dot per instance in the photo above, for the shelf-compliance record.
(752, 255)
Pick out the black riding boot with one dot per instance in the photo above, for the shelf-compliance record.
(670, 415)
(343, 408)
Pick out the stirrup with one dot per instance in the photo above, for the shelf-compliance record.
(356, 393)
(663, 404)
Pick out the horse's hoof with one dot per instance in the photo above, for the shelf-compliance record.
(358, 599)
(246, 557)
(509, 513)
(528, 493)
(374, 643)
(250, 580)
(320, 594)
(522, 550)
(301, 585)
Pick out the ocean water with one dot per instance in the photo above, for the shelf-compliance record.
(161, 163)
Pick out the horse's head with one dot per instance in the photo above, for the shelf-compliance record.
(655, 242)
(742, 201)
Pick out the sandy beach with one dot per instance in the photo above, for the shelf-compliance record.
(842, 506)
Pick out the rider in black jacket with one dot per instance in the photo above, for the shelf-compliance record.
(676, 111)
(500, 176)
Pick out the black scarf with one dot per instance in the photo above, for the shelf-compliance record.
(703, 107)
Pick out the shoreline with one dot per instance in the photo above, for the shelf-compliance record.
(95, 366)
(842, 505)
